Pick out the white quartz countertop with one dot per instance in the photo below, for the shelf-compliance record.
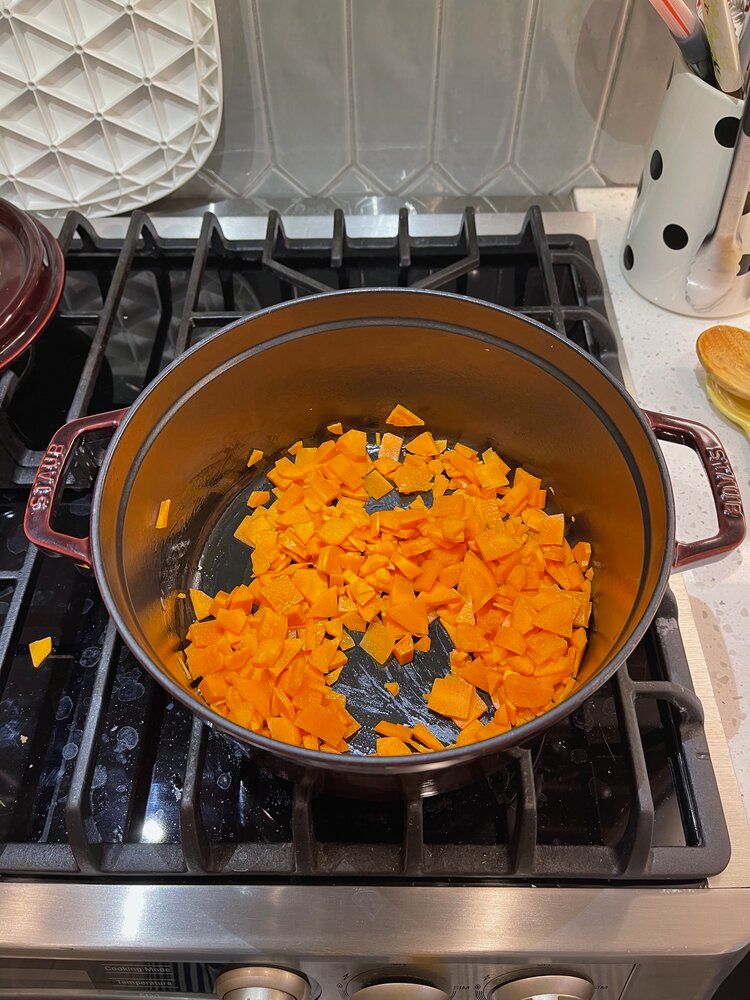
(660, 350)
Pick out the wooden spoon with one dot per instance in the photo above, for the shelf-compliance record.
(734, 408)
(724, 352)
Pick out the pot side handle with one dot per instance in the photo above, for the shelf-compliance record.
(721, 479)
(48, 484)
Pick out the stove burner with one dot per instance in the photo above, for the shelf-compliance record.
(101, 774)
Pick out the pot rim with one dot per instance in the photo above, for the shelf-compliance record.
(354, 764)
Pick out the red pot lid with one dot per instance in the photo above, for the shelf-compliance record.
(32, 275)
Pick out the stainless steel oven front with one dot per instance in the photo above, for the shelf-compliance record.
(289, 942)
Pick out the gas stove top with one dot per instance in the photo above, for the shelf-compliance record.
(101, 774)
(139, 852)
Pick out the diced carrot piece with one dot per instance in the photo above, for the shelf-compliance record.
(527, 692)
(255, 457)
(321, 657)
(496, 544)
(582, 554)
(353, 621)
(334, 675)
(204, 660)
(284, 731)
(441, 595)
(412, 478)
(404, 651)
(423, 444)
(214, 687)
(401, 417)
(477, 709)
(281, 593)
(311, 584)
(472, 733)
(162, 518)
(557, 618)
(336, 428)
(40, 650)
(423, 734)
(390, 746)
(258, 497)
(231, 621)
(390, 447)
(402, 589)
(221, 600)
(201, 604)
(204, 633)
(376, 485)
(326, 606)
(450, 696)
(510, 638)
(317, 720)
(385, 466)
(393, 729)
(423, 645)
(353, 443)
(579, 638)
(411, 615)
(257, 693)
(378, 642)
(392, 687)
(469, 639)
(475, 672)
(476, 581)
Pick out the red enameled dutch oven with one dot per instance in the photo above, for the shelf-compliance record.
(32, 275)
(476, 373)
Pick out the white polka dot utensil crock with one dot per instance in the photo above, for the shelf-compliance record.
(680, 193)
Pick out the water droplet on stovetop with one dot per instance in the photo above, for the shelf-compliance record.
(224, 780)
(90, 656)
(127, 738)
(579, 756)
(69, 751)
(121, 788)
(100, 776)
(64, 708)
(130, 690)
(87, 606)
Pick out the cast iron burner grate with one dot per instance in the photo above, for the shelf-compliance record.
(102, 775)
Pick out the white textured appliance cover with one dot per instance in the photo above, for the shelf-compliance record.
(105, 105)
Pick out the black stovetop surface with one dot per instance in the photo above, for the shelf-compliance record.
(102, 775)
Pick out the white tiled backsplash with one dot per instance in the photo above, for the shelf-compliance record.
(433, 97)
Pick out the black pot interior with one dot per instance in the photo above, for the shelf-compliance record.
(475, 373)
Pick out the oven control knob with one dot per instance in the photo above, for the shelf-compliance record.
(555, 987)
(400, 991)
(261, 982)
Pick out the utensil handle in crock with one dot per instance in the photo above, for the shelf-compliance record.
(48, 482)
(721, 479)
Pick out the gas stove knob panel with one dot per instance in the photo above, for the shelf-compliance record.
(555, 987)
(400, 991)
(256, 982)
